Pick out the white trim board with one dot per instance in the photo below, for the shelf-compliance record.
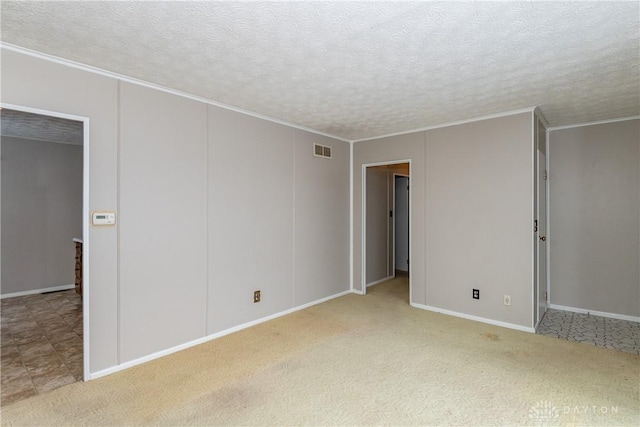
(38, 291)
(548, 218)
(448, 124)
(208, 338)
(43, 112)
(377, 282)
(363, 214)
(534, 214)
(595, 313)
(351, 230)
(474, 318)
(535, 328)
(537, 111)
(600, 122)
(133, 80)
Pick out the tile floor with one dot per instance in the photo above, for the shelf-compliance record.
(600, 331)
(41, 344)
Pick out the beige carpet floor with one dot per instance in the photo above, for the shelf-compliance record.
(359, 360)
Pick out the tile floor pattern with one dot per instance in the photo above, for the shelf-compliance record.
(600, 331)
(41, 344)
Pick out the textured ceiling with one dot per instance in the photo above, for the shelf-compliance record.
(20, 124)
(358, 69)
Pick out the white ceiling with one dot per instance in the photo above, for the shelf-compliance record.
(358, 69)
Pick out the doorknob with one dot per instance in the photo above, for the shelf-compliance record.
(543, 238)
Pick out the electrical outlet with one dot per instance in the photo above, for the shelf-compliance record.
(256, 296)
(507, 300)
(476, 294)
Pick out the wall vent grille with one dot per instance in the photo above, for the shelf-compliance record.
(321, 151)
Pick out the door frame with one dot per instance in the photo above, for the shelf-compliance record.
(395, 174)
(542, 281)
(548, 201)
(363, 213)
(538, 168)
(86, 288)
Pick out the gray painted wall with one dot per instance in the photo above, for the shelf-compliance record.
(472, 215)
(212, 204)
(251, 184)
(277, 218)
(41, 213)
(321, 219)
(594, 229)
(479, 218)
(163, 223)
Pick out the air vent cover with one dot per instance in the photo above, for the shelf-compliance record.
(321, 151)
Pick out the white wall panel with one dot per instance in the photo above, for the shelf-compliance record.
(479, 218)
(594, 234)
(163, 242)
(250, 218)
(321, 219)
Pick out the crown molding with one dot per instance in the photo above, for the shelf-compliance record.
(454, 123)
(537, 111)
(599, 122)
(139, 82)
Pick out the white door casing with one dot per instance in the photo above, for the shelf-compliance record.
(542, 235)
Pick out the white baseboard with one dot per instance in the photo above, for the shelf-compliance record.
(595, 313)
(474, 318)
(379, 281)
(162, 353)
(37, 291)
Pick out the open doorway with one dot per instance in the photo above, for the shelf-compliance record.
(43, 233)
(386, 222)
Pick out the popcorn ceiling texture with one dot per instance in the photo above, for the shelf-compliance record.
(41, 128)
(358, 69)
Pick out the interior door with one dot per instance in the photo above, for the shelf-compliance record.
(401, 223)
(377, 224)
(542, 225)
